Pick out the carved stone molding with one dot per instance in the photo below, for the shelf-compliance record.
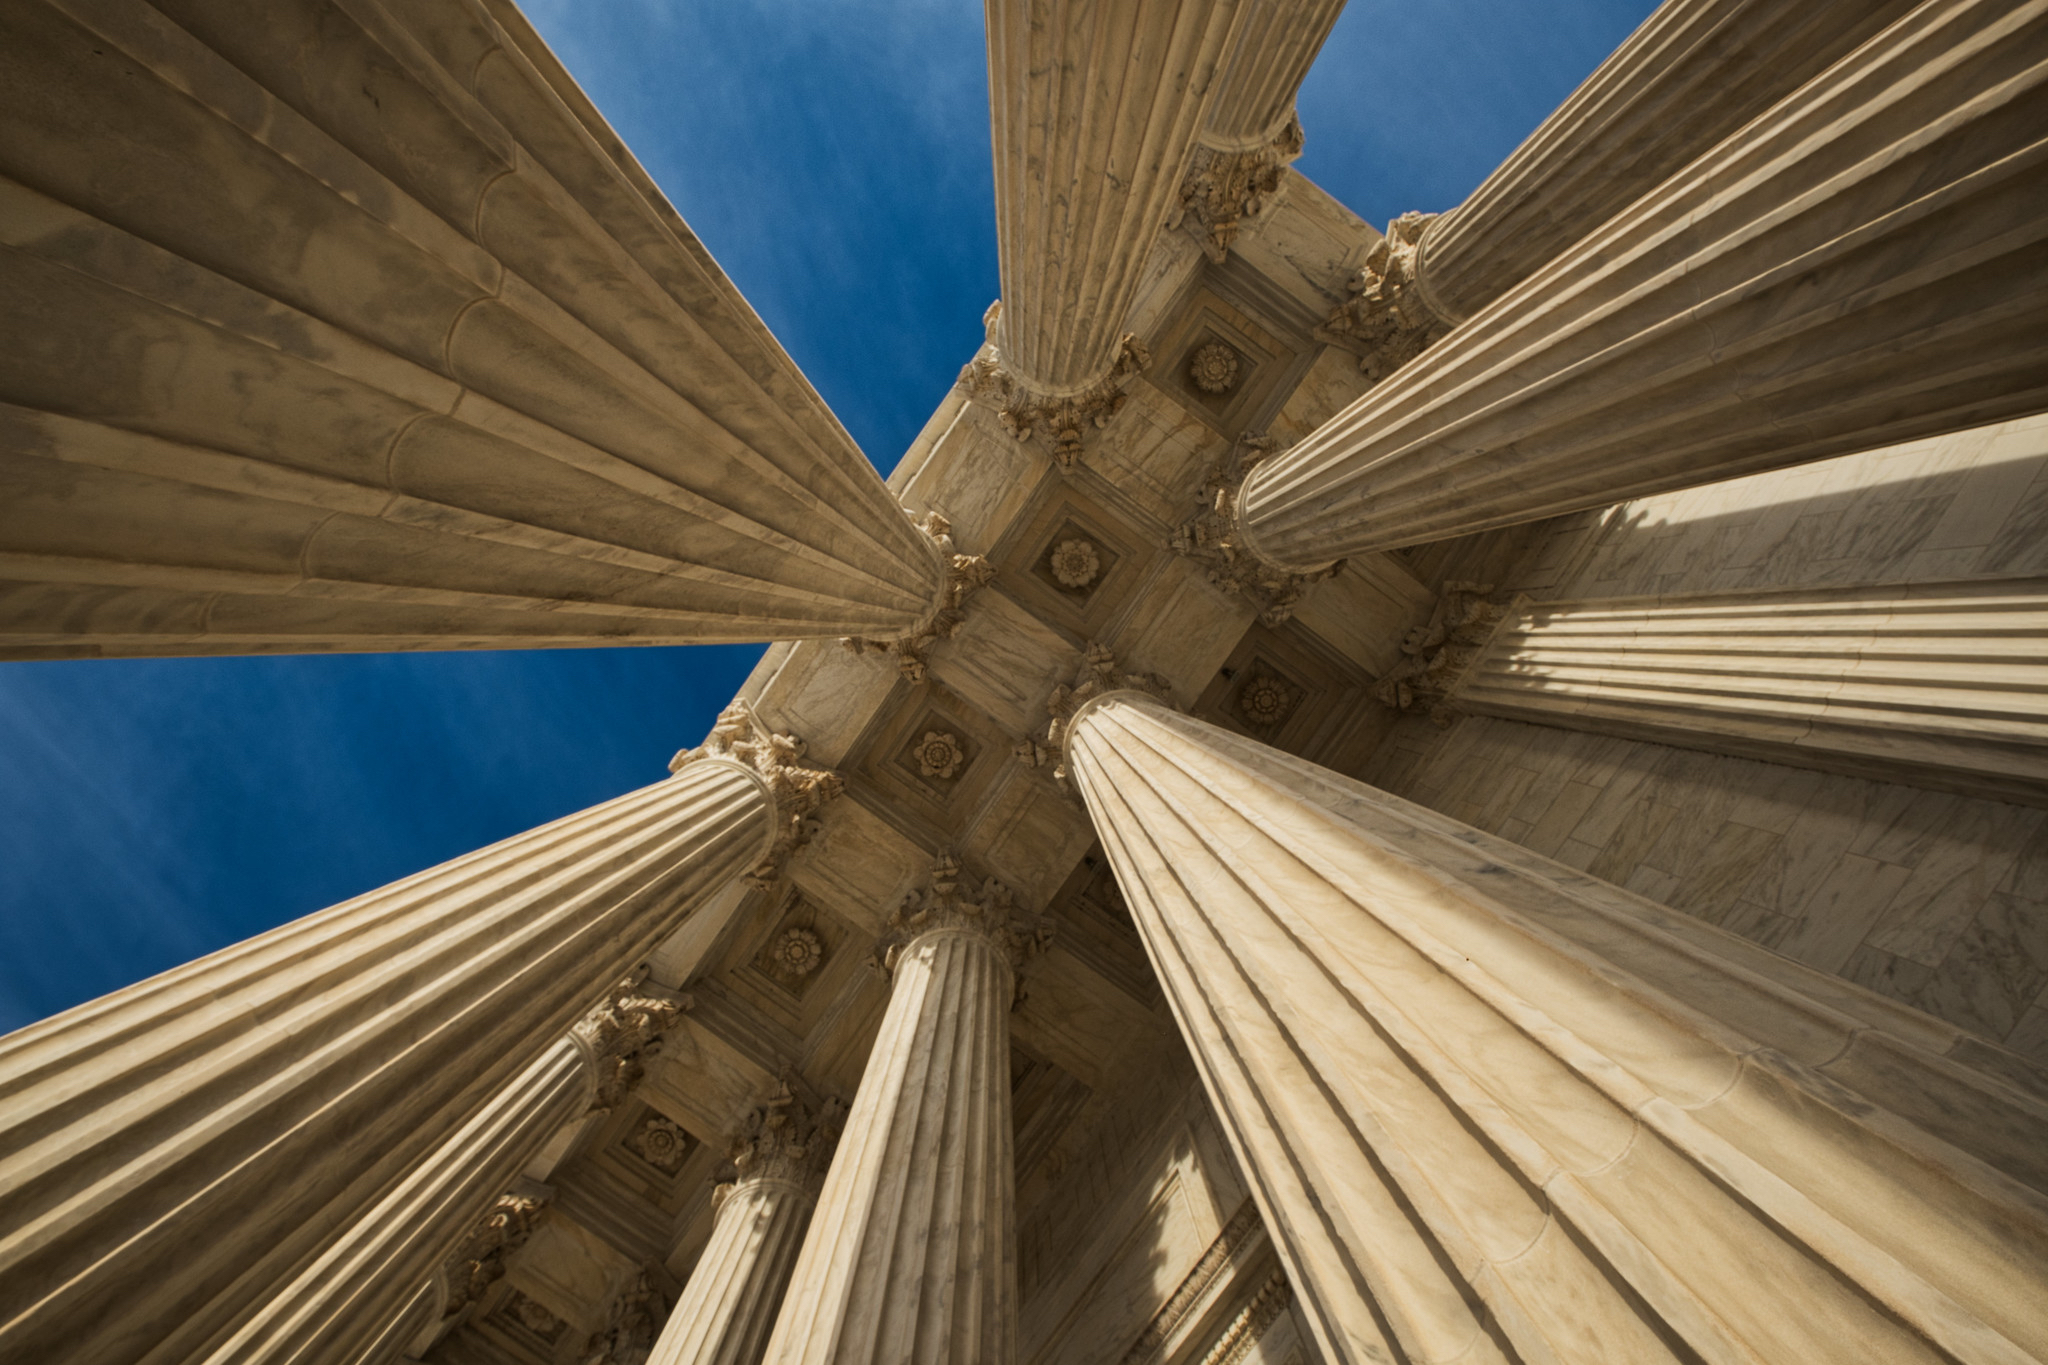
(1243, 1225)
(964, 573)
(632, 1326)
(1224, 188)
(1251, 1322)
(1436, 655)
(799, 792)
(789, 1138)
(1098, 674)
(1214, 538)
(479, 1260)
(619, 1034)
(1059, 421)
(1389, 318)
(947, 906)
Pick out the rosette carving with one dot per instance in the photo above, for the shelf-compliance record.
(799, 792)
(948, 904)
(1223, 189)
(964, 573)
(1058, 421)
(1388, 319)
(619, 1034)
(1214, 538)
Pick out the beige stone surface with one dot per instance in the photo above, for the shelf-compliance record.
(465, 379)
(280, 1085)
(1940, 684)
(1710, 330)
(1472, 1076)
(911, 1253)
(1080, 190)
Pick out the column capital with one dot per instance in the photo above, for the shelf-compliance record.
(1435, 656)
(1391, 314)
(1225, 185)
(1217, 538)
(788, 1139)
(480, 1259)
(1097, 678)
(1058, 417)
(964, 573)
(741, 740)
(946, 907)
(620, 1032)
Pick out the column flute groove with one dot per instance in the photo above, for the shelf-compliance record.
(911, 1253)
(1494, 1109)
(515, 405)
(1865, 263)
(170, 1155)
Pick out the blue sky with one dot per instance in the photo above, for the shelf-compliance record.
(834, 156)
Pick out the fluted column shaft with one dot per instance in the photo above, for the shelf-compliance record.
(175, 1152)
(1937, 684)
(397, 349)
(911, 1255)
(1865, 263)
(1095, 109)
(1496, 1110)
(331, 1312)
(1696, 71)
(728, 1308)
(1276, 45)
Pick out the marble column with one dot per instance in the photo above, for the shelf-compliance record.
(1696, 71)
(1934, 684)
(1493, 1109)
(395, 349)
(911, 1255)
(175, 1152)
(1240, 162)
(1863, 264)
(331, 1311)
(1095, 110)
(728, 1308)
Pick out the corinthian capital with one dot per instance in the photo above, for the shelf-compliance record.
(1214, 538)
(799, 792)
(619, 1034)
(1390, 317)
(480, 1259)
(1223, 188)
(790, 1137)
(1057, 420)
(1098, 675)
(964, 573)
(948, 905)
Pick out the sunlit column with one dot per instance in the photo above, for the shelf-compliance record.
(1696, 71)
(393, 349)
(911, 1255)
(171, 1154)
(1496, 1110)
(728, 1308)
(1095, 110)
(1865, 263)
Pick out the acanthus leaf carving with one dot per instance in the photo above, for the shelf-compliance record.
(1099, 674)
(947, 904)
(1388, 319)
(621, 1033)
(1060, 421)
(1222, 189)
(789, 1137)
(799, 792)
(1436, 655)
(478, 1260)
(632, 1325)
(1214, 539)
(964, 573)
